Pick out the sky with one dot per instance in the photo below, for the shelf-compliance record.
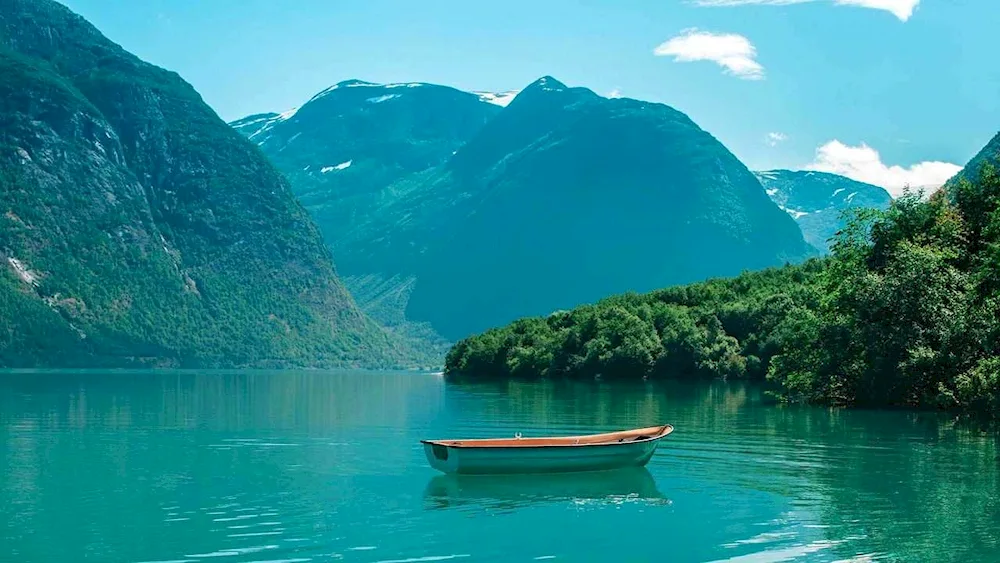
(892, 92)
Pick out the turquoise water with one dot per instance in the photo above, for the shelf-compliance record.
(233, 467)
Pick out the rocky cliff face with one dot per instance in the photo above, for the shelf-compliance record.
(136, 226)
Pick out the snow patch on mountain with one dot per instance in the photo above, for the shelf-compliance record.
(340, 166)
(548, 84)
(266, 118)
(265, 124)
(22, 271)
(364, 84)
(380, 99)
(497, 98)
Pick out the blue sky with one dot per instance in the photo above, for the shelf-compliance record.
(886, 91)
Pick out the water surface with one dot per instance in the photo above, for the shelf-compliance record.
(326, 466)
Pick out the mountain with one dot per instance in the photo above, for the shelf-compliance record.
(816, 200)
(138, 228)
(351, 140)
(345, 145)
(990, 154)
(559, 198)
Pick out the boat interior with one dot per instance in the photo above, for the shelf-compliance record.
(635, 435)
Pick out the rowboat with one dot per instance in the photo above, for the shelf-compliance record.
(593, 452)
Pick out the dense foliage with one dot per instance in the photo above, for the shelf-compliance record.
(717, 328)
(904, 312)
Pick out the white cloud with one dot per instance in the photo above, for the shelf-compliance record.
(733, 52)
(864, 164)
(616, 93)
(902, 9)
(774, 138)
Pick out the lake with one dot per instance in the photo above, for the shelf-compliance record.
(326, 466)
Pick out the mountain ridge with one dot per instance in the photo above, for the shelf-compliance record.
(552, 152)
(988, 155)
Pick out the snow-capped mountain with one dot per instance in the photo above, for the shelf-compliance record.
(816, 200)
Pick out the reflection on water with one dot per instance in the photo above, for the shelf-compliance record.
(228, 401)
(321, 466)
(514, 491)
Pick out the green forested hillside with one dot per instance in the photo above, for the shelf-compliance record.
(136, 227)
(904, 312)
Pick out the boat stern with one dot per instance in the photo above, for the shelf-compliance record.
(441, 457)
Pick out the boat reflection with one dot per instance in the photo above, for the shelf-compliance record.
(509, 492)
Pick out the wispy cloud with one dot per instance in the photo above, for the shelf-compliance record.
(733, 52)
(616, 93)
(774, 138)
(864, 164)
(902, 9)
